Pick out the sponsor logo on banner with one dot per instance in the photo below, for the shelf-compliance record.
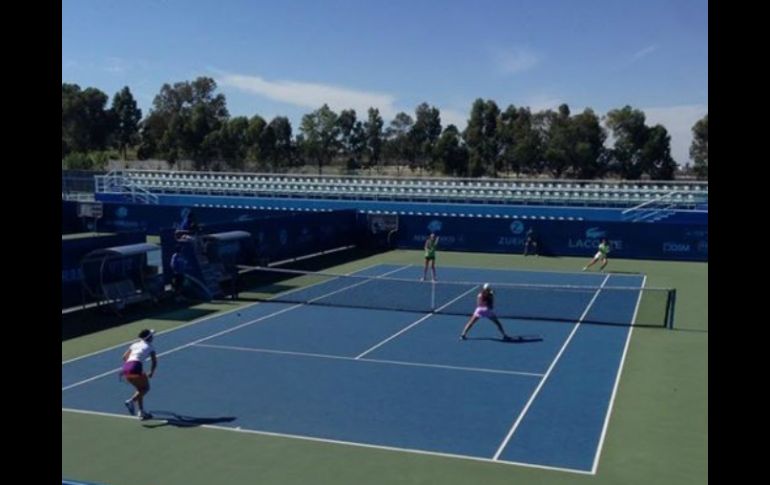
(593, 238)
(511, 241)
(675, 247)
(121, 213)
(696, 234)
(516, 228)
(130, 224)
(435, 225)
(71, 275)
(444, 241)
(595, 233)
(615, 244)
(305, 236)
(703, 246)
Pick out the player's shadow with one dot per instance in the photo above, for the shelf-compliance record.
(517, 339)
(169, 418)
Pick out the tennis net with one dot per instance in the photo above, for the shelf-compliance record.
(607, 304)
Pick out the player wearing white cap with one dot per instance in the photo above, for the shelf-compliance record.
(132, 370)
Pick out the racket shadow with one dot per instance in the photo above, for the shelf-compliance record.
(173, 419)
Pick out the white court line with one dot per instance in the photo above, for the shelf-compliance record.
(209, 317)
(376, 361)
(413, 324)
(350, 443)
(237, 327)
(547, 373)
(617, 381)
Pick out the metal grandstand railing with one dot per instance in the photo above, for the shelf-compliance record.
(653, 210)
(147, 183)
(118, 182)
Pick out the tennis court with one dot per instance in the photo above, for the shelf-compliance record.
(373, 359)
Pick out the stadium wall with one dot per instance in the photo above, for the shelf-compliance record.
(486, 228)
(681, 242)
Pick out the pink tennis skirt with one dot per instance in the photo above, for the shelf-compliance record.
(132, 367)
(483, 311)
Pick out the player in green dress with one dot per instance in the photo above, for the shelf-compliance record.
(430, 256)
(601, 254)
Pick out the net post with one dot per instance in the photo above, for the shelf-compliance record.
(433, 295)
(671, 305)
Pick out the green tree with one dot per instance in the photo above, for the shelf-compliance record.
(350, 138)
(699, 149)
(399, 146)
(589, 157)
(529, 147)
(656, 154)
(86, 123)
(374, 136)
(282, 149)
(639, 149)
(425, 133)
(254, 132)
(450, 154)
(230, 142)
(183, 115)
(630, 133)
(481, 138)
(126, 117)
(320, 132)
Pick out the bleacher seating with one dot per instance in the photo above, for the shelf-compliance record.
(682, 195)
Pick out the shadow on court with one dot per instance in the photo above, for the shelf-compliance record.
(517, 339)
(172, 419)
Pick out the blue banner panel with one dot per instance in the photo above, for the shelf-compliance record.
(683, 242)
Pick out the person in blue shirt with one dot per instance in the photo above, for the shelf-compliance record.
(178, 265)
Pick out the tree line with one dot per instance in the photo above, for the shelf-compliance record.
(189, 121)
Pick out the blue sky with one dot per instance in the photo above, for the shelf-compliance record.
(287, 58)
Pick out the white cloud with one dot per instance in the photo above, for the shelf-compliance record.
(313, 95)
(516, 59)
(678, 121)
(644, 52)
(119, 65)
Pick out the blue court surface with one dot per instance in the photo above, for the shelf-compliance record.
(393, 379)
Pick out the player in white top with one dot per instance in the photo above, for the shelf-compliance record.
(132, 371)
